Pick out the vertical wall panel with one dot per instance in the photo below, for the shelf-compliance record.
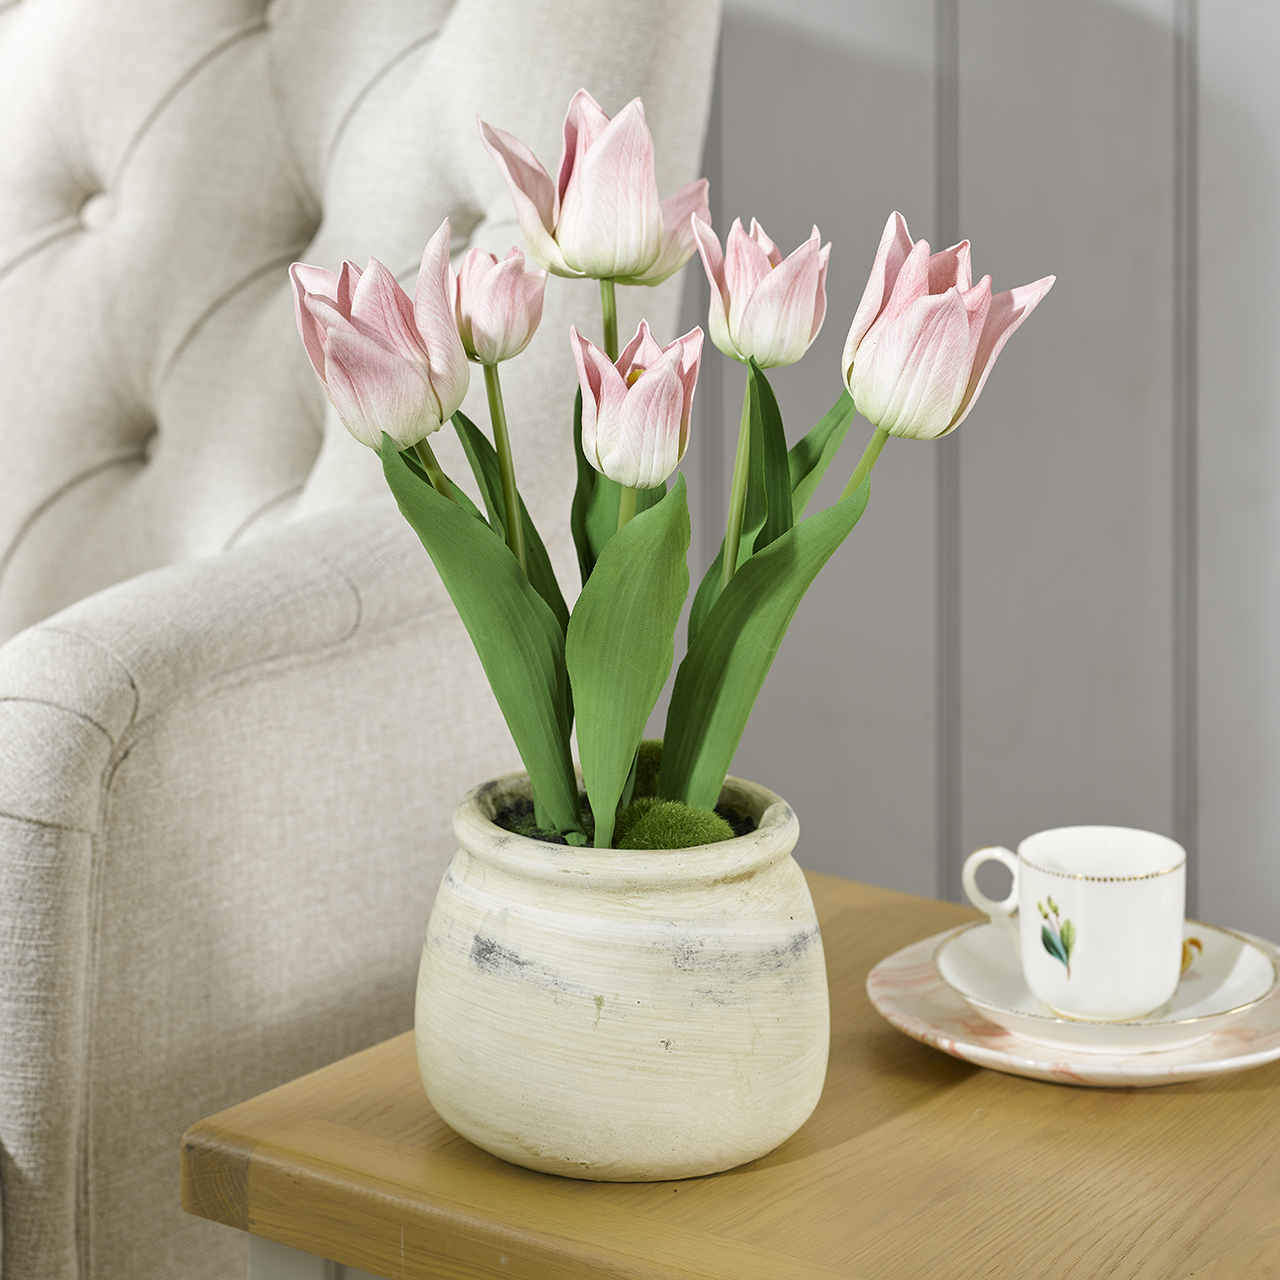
(827, 113)
(1066, 527)
(1117, 534)
(1240, 465)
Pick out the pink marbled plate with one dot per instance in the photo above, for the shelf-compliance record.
(906, 990)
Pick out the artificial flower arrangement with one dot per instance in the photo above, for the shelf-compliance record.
(920, 347)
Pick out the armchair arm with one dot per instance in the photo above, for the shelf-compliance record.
(225, 799)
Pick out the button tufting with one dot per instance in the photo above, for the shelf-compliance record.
(97, 211)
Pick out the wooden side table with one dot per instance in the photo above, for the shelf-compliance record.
(915, 1166)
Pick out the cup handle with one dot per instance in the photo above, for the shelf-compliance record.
(969, 878)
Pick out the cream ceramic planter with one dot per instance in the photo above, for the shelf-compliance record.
(621, 1015)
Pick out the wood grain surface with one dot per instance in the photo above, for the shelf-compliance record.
(915, 1166)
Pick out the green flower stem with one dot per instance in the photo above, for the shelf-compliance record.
(439, 481)
(609, 309)
(866, 462)
(507, 467)
(626, 505)
(737, 492)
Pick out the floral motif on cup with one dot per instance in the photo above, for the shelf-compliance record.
(1058, 936)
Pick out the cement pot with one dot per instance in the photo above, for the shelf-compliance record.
(621, 1015)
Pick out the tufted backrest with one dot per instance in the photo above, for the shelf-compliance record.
(161, 166)
(218, 834)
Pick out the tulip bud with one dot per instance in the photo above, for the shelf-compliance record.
(924, 338)
(602, 217)
(763, 305)
(497, 304)
(386, 363)
(635, 413)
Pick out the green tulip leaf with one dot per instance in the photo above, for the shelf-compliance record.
(809, 457)
(620, 645)
(724, 670)
(593, 518)
(769, 444)
(705, 596)
(483, 458)
(516, 635)
(1068, 937)
(410, 459)
(806, 464)
(755, 512)
(1052, 944)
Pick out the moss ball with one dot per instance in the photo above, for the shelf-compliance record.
(650, 823)
(648, 762)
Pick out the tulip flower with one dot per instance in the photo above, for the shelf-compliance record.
(762, 304)
(635, 411)
(601, 217)
(385, 362)
(497, 304)
(924, 338)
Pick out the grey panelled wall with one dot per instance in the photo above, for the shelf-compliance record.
(1239, 328)
(1067, 612)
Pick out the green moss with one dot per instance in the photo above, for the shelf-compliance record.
(648, 762)
(650, 823)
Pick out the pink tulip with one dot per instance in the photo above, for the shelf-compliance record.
(498, 304)
(924, 338)
(385, 362)
(635, 413)
(763, 305)
(601, 217)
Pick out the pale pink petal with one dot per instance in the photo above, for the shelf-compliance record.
(950, 269)
(644, 448)
(375, 390)
(713, 264)
(977, 305)
(532, 193)
(326, 315)
(324, 284)
(462, 289)
(771, 250)
(678, 243)
(895, 245)
(584, 122)
(820, 303)
(381, 308)
(603, 391)
(746, 266)
(687, 369)
(476, 264)
(348, 282)
(1008, 311)
(437, 324)
(777, 324)
(912, 283)
(501, 323)
(320, 283)
(610, 222)
(910, 375)
(642, 352)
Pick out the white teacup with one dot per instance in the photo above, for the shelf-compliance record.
(1100, 914)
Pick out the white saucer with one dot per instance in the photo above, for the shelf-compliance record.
(905, 989)
(1227, 975)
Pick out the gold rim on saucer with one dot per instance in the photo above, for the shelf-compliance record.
(1145, 1021)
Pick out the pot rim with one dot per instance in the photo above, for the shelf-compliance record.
(775, 837)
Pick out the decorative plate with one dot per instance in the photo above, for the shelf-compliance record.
(906, 989)
(1225, 975)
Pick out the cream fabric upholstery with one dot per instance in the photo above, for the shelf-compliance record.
(236, 708)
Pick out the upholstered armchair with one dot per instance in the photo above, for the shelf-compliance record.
(236, 707)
